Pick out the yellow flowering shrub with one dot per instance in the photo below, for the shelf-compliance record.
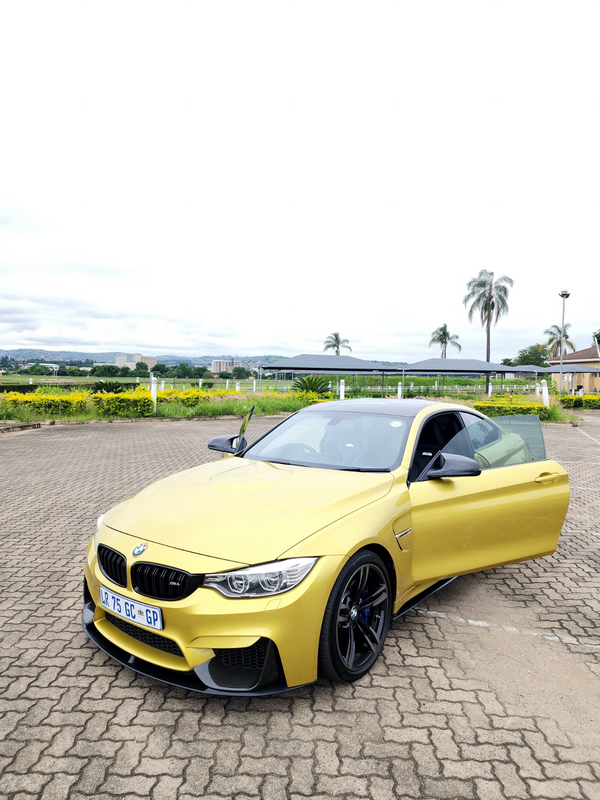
(125, 404)
(72, 403)
(193, 397)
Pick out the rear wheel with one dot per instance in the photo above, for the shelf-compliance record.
(356, 619)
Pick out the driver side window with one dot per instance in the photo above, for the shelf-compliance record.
(494, 446)
(481, 432)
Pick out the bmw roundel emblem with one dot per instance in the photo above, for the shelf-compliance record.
(137, 551)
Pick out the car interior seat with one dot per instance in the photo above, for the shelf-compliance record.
(345, 443)
(436, 434)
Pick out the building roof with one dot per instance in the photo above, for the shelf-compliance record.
(461, 366)
(569, 366)
(587, 354)
(337, 365)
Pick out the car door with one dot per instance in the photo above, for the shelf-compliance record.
(512, 511)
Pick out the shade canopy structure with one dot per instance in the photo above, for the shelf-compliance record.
(462, 366)
(324, 364)
(320, 364)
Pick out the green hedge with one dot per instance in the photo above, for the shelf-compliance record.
(18, 387)
(504, 409)
(82, 386)
(576, 401)
(124, 405)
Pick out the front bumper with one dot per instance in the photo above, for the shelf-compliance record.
(209, 635)
(198, 679)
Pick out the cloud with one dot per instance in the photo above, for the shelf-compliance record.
(357, 190)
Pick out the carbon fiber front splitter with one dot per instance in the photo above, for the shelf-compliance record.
(184, 680)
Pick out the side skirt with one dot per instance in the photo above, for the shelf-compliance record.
(418, 598)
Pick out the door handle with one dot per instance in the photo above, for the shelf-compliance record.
(547, 477)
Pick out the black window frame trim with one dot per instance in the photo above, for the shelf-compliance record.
(424, 421)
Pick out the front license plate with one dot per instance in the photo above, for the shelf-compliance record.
(148, 616)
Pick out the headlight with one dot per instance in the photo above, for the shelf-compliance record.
(261, 581)
(98, 523)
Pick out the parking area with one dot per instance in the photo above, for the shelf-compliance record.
(490, 689)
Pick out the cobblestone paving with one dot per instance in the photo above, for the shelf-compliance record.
(489, 690)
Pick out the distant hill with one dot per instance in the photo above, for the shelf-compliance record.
(36, 354)
(56, 356)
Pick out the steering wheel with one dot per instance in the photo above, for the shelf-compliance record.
(482, 460)
(349, 450)
(308, 448)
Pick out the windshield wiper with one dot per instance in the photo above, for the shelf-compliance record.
(324, 466)
(362, 469)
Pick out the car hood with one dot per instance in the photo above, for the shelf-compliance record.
(244, 511)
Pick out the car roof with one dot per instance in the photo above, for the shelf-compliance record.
(372, 405)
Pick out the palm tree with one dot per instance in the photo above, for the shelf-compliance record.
(489, 297)
(443, 337)
(333, 342)
(555, 335)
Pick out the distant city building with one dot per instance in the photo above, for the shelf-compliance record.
(122, 361)
(223, 365)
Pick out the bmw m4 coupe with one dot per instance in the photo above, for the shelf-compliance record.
(289, 558)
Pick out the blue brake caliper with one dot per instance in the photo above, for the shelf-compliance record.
(366, 612)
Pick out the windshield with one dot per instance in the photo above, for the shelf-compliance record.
(335, 440)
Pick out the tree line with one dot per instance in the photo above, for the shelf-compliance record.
(487, 298)
(141, 370)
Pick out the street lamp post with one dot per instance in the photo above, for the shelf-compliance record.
(564, 295)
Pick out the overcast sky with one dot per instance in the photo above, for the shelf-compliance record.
(247, 177)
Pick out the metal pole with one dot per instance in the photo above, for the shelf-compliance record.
(153, 389)
(564, 295)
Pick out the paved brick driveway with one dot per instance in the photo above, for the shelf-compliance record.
(490, 690)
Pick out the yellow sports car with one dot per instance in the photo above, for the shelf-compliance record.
(289, 558)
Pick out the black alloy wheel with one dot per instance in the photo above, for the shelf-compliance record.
(356, 619)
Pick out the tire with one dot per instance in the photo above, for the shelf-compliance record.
(356, 620)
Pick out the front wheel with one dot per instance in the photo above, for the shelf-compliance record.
(356, 619)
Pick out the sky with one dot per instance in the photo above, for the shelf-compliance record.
(247, 177)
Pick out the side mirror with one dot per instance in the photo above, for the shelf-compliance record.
(227, 444)
(449, 465)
